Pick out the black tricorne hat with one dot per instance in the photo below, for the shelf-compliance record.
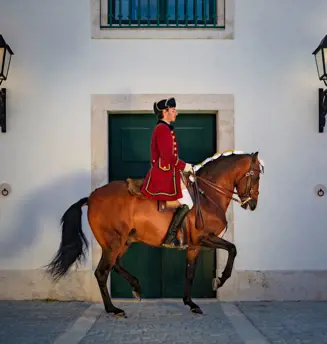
(163, 104)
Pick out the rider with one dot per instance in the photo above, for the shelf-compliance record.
(163, 181)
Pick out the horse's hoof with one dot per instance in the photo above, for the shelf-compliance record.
(216, 283)
(196, 310)
(137, 295)
(120, 314)
(116, 312)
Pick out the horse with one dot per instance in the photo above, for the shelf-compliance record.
(119, 217)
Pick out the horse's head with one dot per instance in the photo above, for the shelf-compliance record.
(247, 185)
(223, 172)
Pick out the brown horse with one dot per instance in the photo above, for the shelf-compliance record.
(117, 219)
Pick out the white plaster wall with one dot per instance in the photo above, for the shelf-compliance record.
(268, 67)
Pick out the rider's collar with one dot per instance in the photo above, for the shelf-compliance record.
(171, 127)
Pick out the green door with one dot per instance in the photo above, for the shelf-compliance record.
(160, 271)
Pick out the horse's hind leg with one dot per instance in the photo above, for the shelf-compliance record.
(101, 273)
(133, 281)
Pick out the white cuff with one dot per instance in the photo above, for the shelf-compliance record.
(188, 167)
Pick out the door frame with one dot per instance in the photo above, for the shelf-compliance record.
(104, 104)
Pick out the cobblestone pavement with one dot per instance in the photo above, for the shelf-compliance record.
(288, 322)
(29, 322)
(163, 321)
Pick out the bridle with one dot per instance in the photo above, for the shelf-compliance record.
(251, 177)
(243, 199)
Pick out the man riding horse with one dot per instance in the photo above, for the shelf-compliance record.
(164, 181)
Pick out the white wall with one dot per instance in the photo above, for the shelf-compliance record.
(269, 68)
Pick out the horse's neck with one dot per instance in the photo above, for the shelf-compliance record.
(224, 180)
(227, 184)
(222, 192)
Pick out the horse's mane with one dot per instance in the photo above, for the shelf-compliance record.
(217, 158)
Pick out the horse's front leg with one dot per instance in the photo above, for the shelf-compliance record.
(215, 242)
(191, 260)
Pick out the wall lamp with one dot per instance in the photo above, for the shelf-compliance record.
(5, 58)
(321, 61)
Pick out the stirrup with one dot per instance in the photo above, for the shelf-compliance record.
(176, 244)
(172, 245)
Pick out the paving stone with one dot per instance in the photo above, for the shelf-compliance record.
(164, 322)
(288, 322)
(151, 322)
(30, 322)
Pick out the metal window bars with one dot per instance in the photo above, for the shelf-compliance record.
(161, 14)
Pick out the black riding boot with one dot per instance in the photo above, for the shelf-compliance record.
(171, 239)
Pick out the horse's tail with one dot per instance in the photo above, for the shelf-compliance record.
(73, 241)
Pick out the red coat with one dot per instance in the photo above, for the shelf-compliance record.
(163, 181)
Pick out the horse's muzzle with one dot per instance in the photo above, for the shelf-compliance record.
(252, 204)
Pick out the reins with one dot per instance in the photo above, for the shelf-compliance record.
(220, 189)
(244, 198)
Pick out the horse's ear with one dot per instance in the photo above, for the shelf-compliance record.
(255, 156)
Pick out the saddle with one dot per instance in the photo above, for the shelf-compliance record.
(134, 186)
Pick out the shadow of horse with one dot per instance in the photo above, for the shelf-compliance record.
(38, 214)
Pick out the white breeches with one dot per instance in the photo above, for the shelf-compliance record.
(186, 199)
